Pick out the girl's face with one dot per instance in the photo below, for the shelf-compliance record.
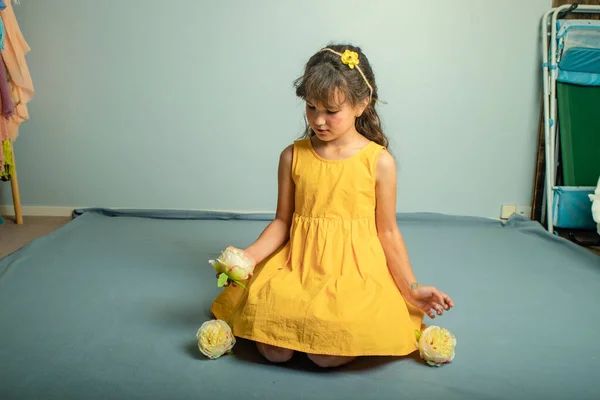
(331, 123)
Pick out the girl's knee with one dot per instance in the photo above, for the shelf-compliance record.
(330, 361)
(275, 354)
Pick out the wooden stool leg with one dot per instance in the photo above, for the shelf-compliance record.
(14, 184)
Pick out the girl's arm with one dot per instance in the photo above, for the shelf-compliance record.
(426, 298)
(278, 231)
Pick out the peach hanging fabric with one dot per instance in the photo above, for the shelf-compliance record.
(20, 83)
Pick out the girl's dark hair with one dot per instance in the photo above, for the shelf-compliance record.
(324, 73)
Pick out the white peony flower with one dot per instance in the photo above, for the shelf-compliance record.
(436, 345)
(234, 265)
(215, 338)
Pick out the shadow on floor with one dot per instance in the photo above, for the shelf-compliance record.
(246, 351)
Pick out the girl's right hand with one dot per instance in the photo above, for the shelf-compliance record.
(233, 283)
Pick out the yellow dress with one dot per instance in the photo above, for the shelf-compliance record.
(328, 290)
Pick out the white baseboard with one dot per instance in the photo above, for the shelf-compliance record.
(38, 211)
(54, 211)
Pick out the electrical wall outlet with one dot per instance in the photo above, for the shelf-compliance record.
(524, 211)
(507, 210)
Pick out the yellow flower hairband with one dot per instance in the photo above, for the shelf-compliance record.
(350, 58)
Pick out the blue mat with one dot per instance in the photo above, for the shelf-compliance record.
(107, 307)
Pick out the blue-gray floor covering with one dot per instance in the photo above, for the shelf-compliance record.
(107, 307)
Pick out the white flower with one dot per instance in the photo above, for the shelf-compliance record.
(436, 345)
(215, 338)
(234, 265)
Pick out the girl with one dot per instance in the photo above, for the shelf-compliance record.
(332, 278)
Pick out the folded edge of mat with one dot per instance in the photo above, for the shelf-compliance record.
(175, 214)
(269, 216)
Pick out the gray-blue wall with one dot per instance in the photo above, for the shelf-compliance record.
(158, 104)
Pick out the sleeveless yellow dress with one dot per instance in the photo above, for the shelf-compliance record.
(328, 290)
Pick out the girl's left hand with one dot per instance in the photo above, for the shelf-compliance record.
(429, 299)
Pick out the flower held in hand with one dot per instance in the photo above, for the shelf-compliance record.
(215, 338)
(436, 345)
(232, 265)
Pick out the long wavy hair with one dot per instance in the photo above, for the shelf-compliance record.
(325, 73)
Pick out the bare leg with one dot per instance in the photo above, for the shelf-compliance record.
(274, 354)
(330, 361)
